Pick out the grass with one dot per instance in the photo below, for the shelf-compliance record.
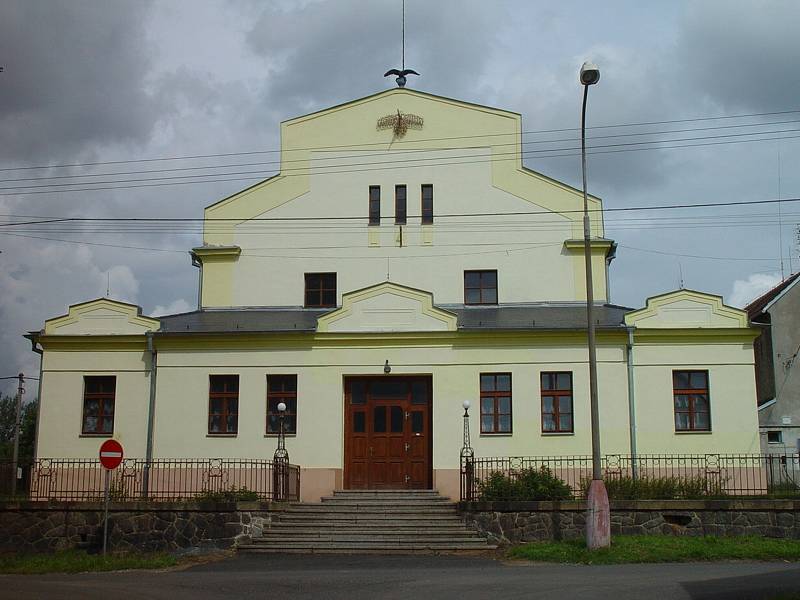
(661, 548)
(75, 561)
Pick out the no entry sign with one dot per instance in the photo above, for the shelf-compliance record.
(111, 454)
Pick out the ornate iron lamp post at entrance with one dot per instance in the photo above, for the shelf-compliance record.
(280, 459)
(467, 460)
(598, 518)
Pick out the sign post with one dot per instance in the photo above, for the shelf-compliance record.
(110, 457)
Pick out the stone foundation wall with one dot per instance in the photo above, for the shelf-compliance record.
(180, 526)
(512, 522)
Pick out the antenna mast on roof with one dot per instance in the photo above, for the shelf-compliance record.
(402, 72)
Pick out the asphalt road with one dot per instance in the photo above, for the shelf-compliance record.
(416, 578)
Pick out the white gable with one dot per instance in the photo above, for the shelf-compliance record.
(101, 317)
(387, 307)
(686, 309)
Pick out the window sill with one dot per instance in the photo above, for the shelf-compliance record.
(509, 434)
(96, 435)
(274, 435)
(222, 435)
(689, 432)
(557, 433)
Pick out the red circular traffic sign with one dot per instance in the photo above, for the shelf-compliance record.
(111, 454)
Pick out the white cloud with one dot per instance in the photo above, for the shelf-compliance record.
(746, 290)
(178, 306)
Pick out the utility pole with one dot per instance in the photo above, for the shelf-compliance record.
(15, 452)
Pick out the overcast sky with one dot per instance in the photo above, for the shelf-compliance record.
(107, 80)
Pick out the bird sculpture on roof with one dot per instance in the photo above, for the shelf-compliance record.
(401, 75)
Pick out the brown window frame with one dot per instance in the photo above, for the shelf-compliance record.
(557, 394)
(374, 205)
(225, 396)
(427, 213)
(495, 413)
(321, 288)
(692, 393)
(481, 288)
(104, 398)
(400, 204)
(289, 397)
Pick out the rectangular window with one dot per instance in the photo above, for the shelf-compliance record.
(374, 205)
(480, 287)
(691, 400)
(320, 290)
(282, 388)
(427, 203)
(556, 394)
(98, 404)
(495, 402)
(400, 205)
(774, 437)
(223, 404)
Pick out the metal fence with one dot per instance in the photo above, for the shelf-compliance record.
(651, 476)
(219, 479)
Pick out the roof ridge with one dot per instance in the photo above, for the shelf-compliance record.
(758, 305)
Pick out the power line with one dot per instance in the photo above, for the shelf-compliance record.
(382, 165)
(413, 151)
(397, 142)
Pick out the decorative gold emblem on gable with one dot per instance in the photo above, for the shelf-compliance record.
(400, 123)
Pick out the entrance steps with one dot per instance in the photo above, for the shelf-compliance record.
(371, 522)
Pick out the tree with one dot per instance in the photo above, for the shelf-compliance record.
(27, 432)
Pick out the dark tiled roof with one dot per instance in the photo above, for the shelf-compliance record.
(242, 320)
(757, 306)
(543, 317)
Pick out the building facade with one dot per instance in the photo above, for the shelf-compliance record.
(777, 314)
(402, 261)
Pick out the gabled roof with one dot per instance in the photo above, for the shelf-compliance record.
(760, 304)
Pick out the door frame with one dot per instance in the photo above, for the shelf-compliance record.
(347, 422)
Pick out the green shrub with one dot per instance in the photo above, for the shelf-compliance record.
(527, 484)
(233, 494)
(660, 488)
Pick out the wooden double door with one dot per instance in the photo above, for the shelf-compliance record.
(388, 441)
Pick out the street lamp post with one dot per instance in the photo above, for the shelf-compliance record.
(280, 459)
(467, 460)
(598, 518)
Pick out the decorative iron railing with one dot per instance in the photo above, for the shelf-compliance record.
(650, 476)
(219, 479)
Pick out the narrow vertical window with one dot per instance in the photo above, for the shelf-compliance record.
(480, 287)
(400, 205)
(223, 404)
(282, 388)
(320, 290)
(98, 405)
(556, 394)
(374, 205)
(427, 203)
(495, 402)
(691, 401)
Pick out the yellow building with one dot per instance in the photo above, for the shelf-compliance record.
(401, 262)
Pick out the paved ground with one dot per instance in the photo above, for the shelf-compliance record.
(417, 578)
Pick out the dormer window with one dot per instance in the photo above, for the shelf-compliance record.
(480, 287)
(320, 290)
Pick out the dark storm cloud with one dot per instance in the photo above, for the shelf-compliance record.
(742, 55)
(324, 53)
(74, 75)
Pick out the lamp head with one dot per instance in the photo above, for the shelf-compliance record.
(465, 404)
(281, 407)
(590, 74)
(386, 368)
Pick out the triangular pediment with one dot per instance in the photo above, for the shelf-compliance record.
(101, 317)
(387, 307)
(686, 309)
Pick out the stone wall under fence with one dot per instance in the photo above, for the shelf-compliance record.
(144, 526)
(513, 522)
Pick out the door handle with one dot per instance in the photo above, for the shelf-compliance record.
(408, 446)
(370, 450)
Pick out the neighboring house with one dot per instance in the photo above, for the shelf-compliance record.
(777, 312)
(403, 261)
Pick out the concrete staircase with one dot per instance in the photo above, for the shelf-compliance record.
(370, 521)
